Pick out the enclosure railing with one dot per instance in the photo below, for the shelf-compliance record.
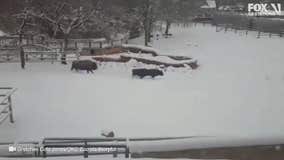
(52, 50)
(65, 147)
(86, 146)
(6, 110)
(68, 147)
(263, 26)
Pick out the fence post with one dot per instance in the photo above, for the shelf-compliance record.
(258, 35)
(86, 154)
(127, 152)
(44, 152)
(7, 57)
(27, 57)
(43, 149)
(10, 109)
(115, 152)
(41, 57)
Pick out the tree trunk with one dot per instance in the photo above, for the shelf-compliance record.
(63, 57)
(22, 56)
(168, 25)
(147, 22)
(218, 3)
(146, 39)
(150, 30)
(146, 28)
(22, 53)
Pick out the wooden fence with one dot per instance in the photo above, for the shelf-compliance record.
(60, 147)
(6, 110)
(31, 55)
(51, 51)
(236, 22)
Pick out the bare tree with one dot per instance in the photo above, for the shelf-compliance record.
(168, 12)
(64, 20)
(25, 22)
(148, 18)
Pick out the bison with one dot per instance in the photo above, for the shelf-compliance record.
(87, 65)
(141, 73)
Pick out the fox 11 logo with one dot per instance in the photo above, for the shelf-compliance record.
(264, 9)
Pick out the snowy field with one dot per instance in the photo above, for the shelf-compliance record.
(237, 91)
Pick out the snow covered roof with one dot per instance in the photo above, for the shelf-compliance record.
(210, 4)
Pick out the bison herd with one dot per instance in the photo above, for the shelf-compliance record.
(90, 66)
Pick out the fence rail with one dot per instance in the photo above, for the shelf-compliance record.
(53, 50)
(54, 147)
(6, 110)
(236, 22)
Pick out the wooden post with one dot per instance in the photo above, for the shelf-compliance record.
(10, 109)
(53, 57)
(258, 35)
(8, 57)
(41, 57)
(226, 28)
(127, 152)
(61, 47)
(44, 152)
(86, 154)
(27, 57)
(44, 149)
(115, 152)
(101, 44)
(22, 56)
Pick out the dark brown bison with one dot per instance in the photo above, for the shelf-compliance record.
(141, 73)
(87, 65)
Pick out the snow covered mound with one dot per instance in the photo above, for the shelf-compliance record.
(148, 59)
(160, 58)
(140, 49)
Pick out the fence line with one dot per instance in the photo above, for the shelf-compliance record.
(51, 51)
(237, 22)
(6, 105)
(48, 147)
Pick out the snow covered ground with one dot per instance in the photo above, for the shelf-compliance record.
(237, 91)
